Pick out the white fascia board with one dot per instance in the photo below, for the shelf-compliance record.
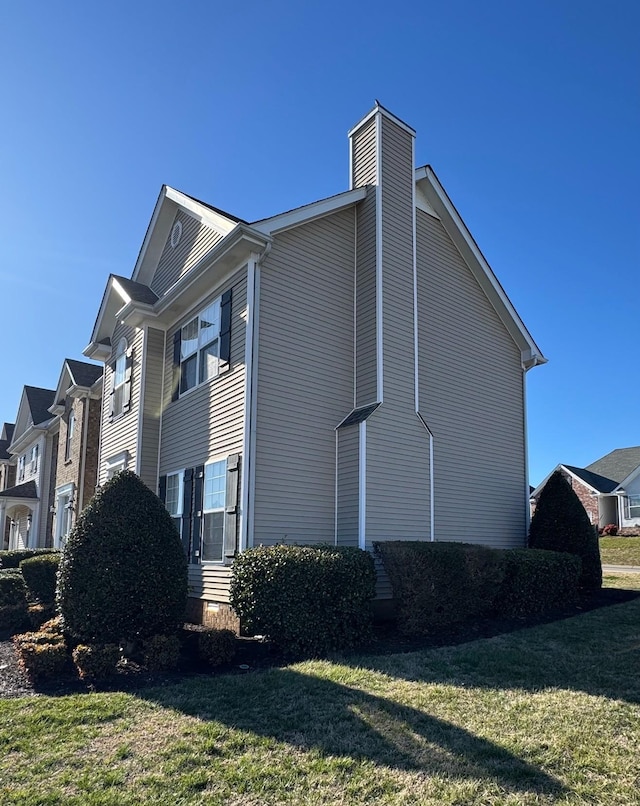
(309, 212)
(378, 109)
(538, 489)
(99, 352)
(581, 480)
(423, 204)
(477, 263)
(114, 299)
(626, 481)
(201, 212)
(161, 220)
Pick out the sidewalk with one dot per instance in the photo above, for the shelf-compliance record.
(621, 569)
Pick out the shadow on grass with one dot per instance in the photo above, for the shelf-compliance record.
(596, 653)
(311, 712)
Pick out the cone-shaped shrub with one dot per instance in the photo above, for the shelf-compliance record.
(123, 573)
(560, 523)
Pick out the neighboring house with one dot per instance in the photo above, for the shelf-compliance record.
(347, 371)
(7, 475)
(76, 404)
(609, 488)
(33, 450)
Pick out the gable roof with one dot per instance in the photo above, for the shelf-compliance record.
(600, 483)
(5, 456)
(136, 292)
(618, 464)
(39, 400)
(7, 431)
(83, 373)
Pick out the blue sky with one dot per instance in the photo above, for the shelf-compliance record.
(528, 111)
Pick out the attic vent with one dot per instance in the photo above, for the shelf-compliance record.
(176, 234)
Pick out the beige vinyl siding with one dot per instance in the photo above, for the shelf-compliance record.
(471, 396)
(197, 239)
(210, 583)
(397, 442)
(364, 162)
(121, 434)
(151, 407)
(208, 422)
(383, 583)
(348, 486)
(305, 378)
(366, 338)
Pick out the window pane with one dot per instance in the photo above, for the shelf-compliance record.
(173, 493)
(215, 485)
(209, 361)
(209, 323)
(121, 364)
(212, 536)
(177, 522)
(189, 338)
(188, 377)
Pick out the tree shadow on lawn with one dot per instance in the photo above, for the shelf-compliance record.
(310, 712)
(597, 653)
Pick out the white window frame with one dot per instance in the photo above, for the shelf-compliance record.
(214, 510)
(34, 460)
(177, 515)
(65, 498)
(71, 423)
(119, 376)
(629, 506)
(201, 343)
(22, 463)
(115, 464)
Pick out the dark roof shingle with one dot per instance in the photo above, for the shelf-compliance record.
(599, 483)
(83, 373)
(137, 291)
(618, 464)
(39, 400)
(26, 490)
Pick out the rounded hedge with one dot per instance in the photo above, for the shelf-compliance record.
(123, 572)
(40, 573)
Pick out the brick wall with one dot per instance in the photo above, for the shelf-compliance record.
(588, 500)
(220, 617)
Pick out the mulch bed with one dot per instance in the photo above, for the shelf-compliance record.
(253, 654)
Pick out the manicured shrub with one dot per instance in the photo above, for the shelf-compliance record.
(537, 581)
(216, 647)
(40, 575)
(611, 529)
(41, 655)
(560, 523)
(14, 612)
(161, 652)
(12, 559)
(307, 600)
(96, 662)
(123, 573)
(438, 584)
(39, 614)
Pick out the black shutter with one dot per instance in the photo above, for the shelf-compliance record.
(128, 372)
(175, 378)
(225, 331)
(162, 489)
(112, 397)
(231, 507)
(198, 493)
(187, 502)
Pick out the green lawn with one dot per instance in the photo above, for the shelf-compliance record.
(541, 716)
(620, 550)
